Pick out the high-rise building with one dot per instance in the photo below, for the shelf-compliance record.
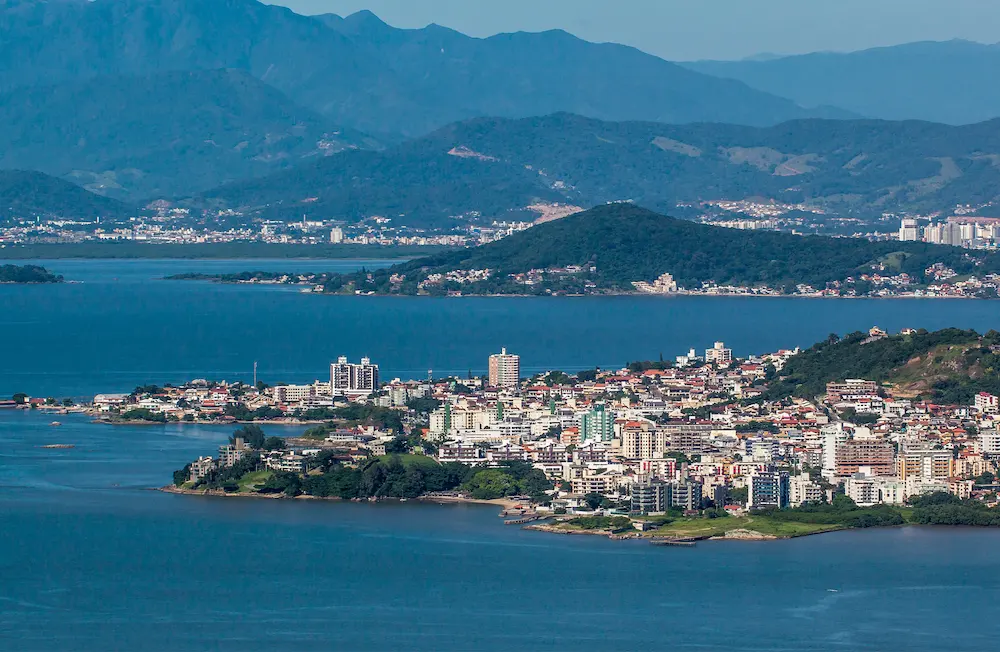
(505, 369)
(909, 231)
(768, 489)
(719, 354)
(597, 424)
(349, 378)
(336, 235)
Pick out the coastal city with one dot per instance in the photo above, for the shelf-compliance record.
(703, 432)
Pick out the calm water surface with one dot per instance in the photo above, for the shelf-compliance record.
(121, 327)
(91, 559)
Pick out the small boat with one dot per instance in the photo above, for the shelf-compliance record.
(55, 423)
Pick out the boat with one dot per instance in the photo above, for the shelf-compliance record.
(55, 423)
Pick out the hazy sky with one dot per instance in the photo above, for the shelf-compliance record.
(699, 29)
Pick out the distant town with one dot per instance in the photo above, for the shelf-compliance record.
(670, 446)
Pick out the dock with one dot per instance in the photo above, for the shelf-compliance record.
(673, 542)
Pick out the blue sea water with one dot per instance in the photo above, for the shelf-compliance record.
(92, 559)
(121, 326)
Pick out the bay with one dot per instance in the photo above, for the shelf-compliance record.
(90, 559)
(121, 326)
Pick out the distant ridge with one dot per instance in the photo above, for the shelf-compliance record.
(953, 82)
(27, 194)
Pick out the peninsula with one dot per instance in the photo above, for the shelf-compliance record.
(622, 248)
(869, 429)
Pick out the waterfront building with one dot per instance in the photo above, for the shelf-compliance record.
(233, 452)
(504, 369)
(801, 490)
(686, 494)
(200, 468)
(768, 489)
(650, 496)
(348, 379)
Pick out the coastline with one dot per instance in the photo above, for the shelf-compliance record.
(505, 503)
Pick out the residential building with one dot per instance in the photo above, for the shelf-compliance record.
(837, 392)
(232, 452)
(854, 454)
(801, 490)
(986, 403)
(347, 378)
(768, 489)
(719, 354)
(650, 496)
(505, 369)
(597, 424)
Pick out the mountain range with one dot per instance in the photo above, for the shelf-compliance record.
(162, 134)
(361, 73)
(498, 166)
(948, 81)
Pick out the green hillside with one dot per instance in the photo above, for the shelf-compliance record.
(627, 243)
(948, 366)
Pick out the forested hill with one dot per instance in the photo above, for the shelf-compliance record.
(948, 366)
(28, 194)
(627, 243)
(27, 274)
(495, 166)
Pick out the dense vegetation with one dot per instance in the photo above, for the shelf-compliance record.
(28, 194)
(842, 511)
(27, 274)
(949, 365)
(947, 509)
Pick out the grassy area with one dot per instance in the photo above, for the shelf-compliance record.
(222, 250)
(250, 481)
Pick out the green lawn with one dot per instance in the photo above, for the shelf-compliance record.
(250, 481)
(412, 460)
(710, 527)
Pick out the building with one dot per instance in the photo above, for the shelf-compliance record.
(336, 235)
(909, 231)
(768, 489)
(597, 425)
(347, 378)
(686, 495)
(833, 435)
(719, 354)
(878, 456)
(920, 461)
(233, 452)
(643, 442)
(801, 490)
(650, 496)
(985, 403)
(837, 392)
(201, 467)
(989, 442)
(505, 369)
(664, 284)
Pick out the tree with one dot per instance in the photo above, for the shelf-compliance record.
(20, 398)
(398, 446)
(593, 500)
(489, 484)
(251, 434)
(274, 444)
(181, 475)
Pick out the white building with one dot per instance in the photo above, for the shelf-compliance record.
(347, 378)
(719, 354)
(909, 231)
(986, 403)
(505, 369)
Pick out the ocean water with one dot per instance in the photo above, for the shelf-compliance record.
(120, 326)
(91, 559)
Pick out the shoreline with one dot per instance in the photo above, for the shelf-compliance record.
(504, 503)
(610, 293)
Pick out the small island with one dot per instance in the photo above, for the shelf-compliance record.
(26, 274)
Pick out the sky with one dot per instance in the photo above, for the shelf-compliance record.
(684, 30)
